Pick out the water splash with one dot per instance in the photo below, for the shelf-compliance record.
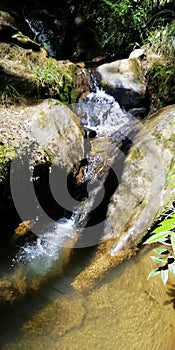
(102, 113)
(39, 257)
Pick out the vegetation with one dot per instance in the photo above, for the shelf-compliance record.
(122, 24)
(28, 75)
(56, 81)
(9, 92)
(126, 24)
(7, 153)
(164, 234)
(160, 46)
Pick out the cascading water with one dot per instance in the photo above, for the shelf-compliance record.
(39, 257)
(46, 32)
(101, 113)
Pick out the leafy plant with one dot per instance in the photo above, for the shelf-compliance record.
(161, 80)
(56, 82)
(122, 24)
(160, 47)
(165, 235)
(8, 92)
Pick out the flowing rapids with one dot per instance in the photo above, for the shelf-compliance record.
(100, 112)
(39, 257)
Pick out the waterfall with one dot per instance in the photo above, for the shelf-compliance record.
(101, 112)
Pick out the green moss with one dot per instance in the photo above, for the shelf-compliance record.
(157, 135)
(43, 120)
(35, 77)
(136, 154)
(135, 67)
(172, 138)
(68, 93)
(7, 153)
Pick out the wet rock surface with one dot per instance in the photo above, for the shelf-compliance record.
(124, 80)
(140, 197)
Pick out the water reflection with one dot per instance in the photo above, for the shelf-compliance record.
(123, 311)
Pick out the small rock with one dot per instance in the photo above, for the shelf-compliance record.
(137, 53)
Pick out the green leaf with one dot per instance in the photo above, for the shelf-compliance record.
(172, 268)
(171, 177)
(153, 273)
(161, 251)
(157, 237)
(171, 171)
(164, 276)
(173, 241)
(158, 259)
(166, 225)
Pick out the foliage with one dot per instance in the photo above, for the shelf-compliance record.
(9, 93)
(165, 235)
(56, 82)
(160, 46)
(27, 75)
(16, 83)
(122, 24)
(161, 82)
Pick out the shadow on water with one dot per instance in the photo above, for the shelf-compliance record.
(14, 315)
(97, 217)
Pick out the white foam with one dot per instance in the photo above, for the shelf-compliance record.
(100, 112)
(40, 256)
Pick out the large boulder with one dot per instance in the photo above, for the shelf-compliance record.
(45, 134)
(124, 80)
(33, 140)
(52, 127)
(57, 129)
(141, 197)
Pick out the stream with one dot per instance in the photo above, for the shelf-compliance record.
(122, 311)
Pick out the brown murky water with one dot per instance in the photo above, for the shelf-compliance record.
(124, 311)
